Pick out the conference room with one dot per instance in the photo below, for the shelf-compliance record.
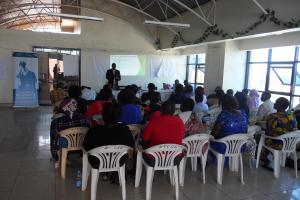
(157, 99)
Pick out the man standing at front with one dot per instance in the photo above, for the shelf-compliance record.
(113, 76)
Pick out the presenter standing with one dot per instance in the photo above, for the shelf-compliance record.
(113, 76)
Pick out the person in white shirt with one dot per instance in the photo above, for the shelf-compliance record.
(266, 108)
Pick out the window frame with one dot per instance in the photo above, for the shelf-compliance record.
(197, 65)
(270, 67)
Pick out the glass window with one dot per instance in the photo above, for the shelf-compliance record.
(193, 59)
(280, 54)
(280, 79)
(259, 55)
(257, 80)
(192, 71)
(274, 97)
(201, 58)
(200, 75)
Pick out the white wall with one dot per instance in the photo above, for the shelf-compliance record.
(234, 67)
(215, 55)
(233, 16)
(113, 35)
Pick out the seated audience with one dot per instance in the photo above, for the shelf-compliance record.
(178, 95)
(164, 128)
(189, 118)
(88, 94)
(111, 133)
(215, 98)
(266, 108)
(146, 95)
(134, 88)
(200, 109)
(230, 92)
(176, 82)
(278, 124)
(71, 119)
(131, 113)
(57, 96)
(242, 102)
(189, 92)
(74, 92)
(245, 91)
(253, 102)
(199, 91)
(95, 109)
(154, 106)
(108, 89)
(230, 121)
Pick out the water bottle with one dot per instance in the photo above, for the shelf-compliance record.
(78, 179)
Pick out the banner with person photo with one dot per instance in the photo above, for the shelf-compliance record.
(25, 79)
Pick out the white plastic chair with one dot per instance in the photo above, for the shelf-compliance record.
(233, 144)
(109, 161)
(289, 143)
(195, 145)
(164, 156)
(75, 137)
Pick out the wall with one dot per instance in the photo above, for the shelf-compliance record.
(233, 16)
(111, 35)
(215, 55)
(234, 67)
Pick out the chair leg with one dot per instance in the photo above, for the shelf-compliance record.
(283, 159)
(295, 164)
(138, 170)
(182, 171)
(85, 171)
(149, 180)
(242, 169)
(63, 166)
(203, 162)
(171, 173)
(94, 183)
(122, 181)
(195, 163)
(192, 163)
(220, 158)
(277, 158)
(175, 172)
(260, 145)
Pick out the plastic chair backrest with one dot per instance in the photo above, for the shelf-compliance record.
(195, 144)
(234, 143)
(164, 155)
(252, 130)
(74, 136)
(109, 156)
(290, 140)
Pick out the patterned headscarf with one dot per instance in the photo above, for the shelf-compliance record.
(253, 99)
(69, 106)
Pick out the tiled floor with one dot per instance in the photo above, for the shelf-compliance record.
(26, 172)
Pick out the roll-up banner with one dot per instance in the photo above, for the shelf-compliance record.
(25, 79)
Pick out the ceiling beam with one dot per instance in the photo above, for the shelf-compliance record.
(193, 12)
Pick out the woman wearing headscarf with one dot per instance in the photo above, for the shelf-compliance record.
(71, 118)
(253, 102)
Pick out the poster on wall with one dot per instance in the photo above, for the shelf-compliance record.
(25, 79)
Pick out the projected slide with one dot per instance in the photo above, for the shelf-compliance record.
(130, 65)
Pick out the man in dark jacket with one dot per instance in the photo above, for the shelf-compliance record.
(113, 76)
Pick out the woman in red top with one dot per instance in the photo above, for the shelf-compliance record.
(165, 128)
(96, 107)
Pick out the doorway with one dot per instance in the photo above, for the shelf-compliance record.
(57, 65)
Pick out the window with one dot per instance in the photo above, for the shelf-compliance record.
(196, 69)
(276, 70)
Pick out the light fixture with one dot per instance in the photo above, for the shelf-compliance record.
(69, 16)
(167, 24)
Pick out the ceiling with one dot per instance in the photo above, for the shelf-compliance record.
(33, 13)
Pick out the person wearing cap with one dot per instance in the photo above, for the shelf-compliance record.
(71, 118)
